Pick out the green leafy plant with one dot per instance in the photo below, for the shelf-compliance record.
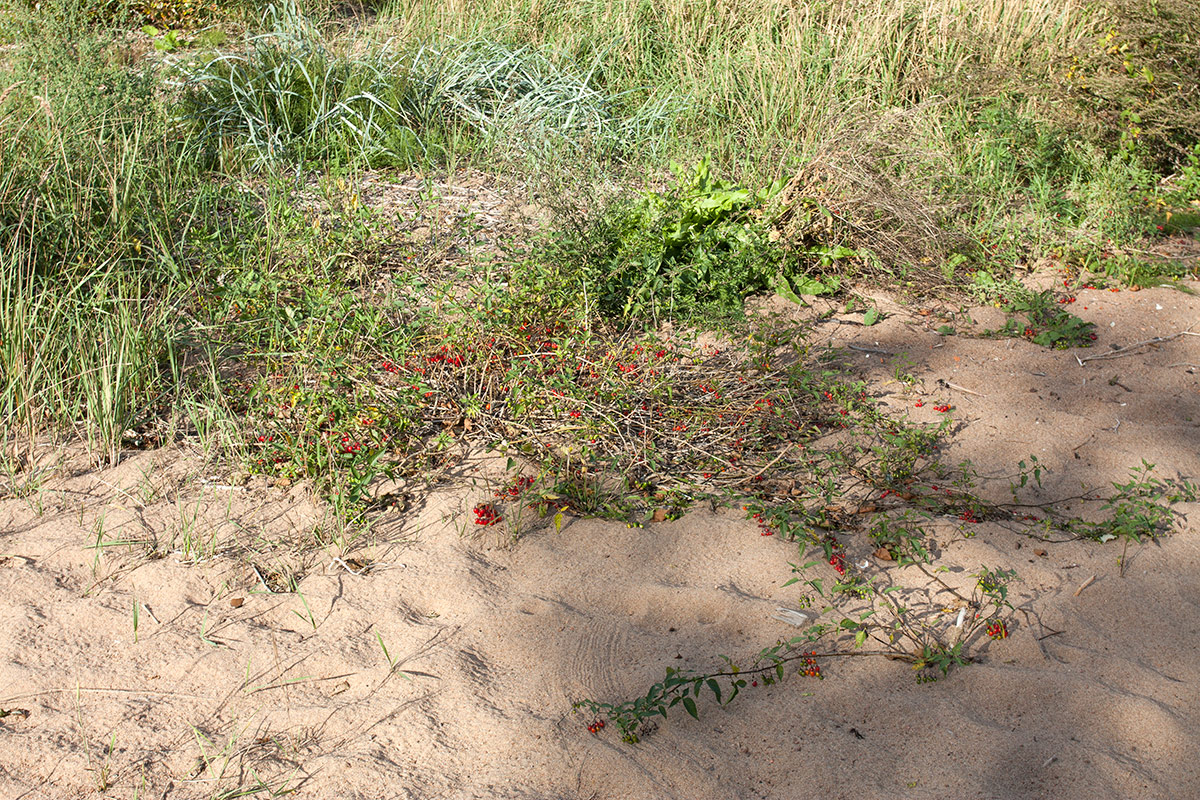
(1187, 188)
(880, 616)
(1141, 508)
(701, 246)
(1040, 317)
(164, 41)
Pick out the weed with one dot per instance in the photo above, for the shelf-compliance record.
(698, 247)
(1039, 317)
(307, 616)
(206, 634)
(1141, 507)
(393, 663)
(167, 271)
(886, 621)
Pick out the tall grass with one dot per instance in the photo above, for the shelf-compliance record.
(292, 94)
(765, 81)
(93, 193)
(81, 358)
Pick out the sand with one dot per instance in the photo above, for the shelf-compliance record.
(427, 660)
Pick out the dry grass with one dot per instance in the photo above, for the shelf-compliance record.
(874, 191)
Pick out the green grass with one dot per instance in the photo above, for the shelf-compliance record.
(293, 94)
(763, 82)
(87, 192)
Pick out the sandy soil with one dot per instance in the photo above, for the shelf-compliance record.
(224, 685)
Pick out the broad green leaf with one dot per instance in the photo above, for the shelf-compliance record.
(804, 285)
(783, 290)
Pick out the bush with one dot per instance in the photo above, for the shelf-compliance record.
(700, 247)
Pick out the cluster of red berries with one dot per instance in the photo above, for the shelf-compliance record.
(595, 726)
(997, 630)
(387, 365)
(1089, 286)
(969, 516)
(763, 528)
(486, 514)
(944, 408)
(837, 559)
(522, 483)
(1065, 300)
(919, 404)
(810, 668)
(350, 446)
(445, 355)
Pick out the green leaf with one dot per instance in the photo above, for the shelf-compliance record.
(871, 317)
(716, 688)
(690, 705)
(804, 285)
(150, 30)
(781, 288)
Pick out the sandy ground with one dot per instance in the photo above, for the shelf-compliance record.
(224, 686)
